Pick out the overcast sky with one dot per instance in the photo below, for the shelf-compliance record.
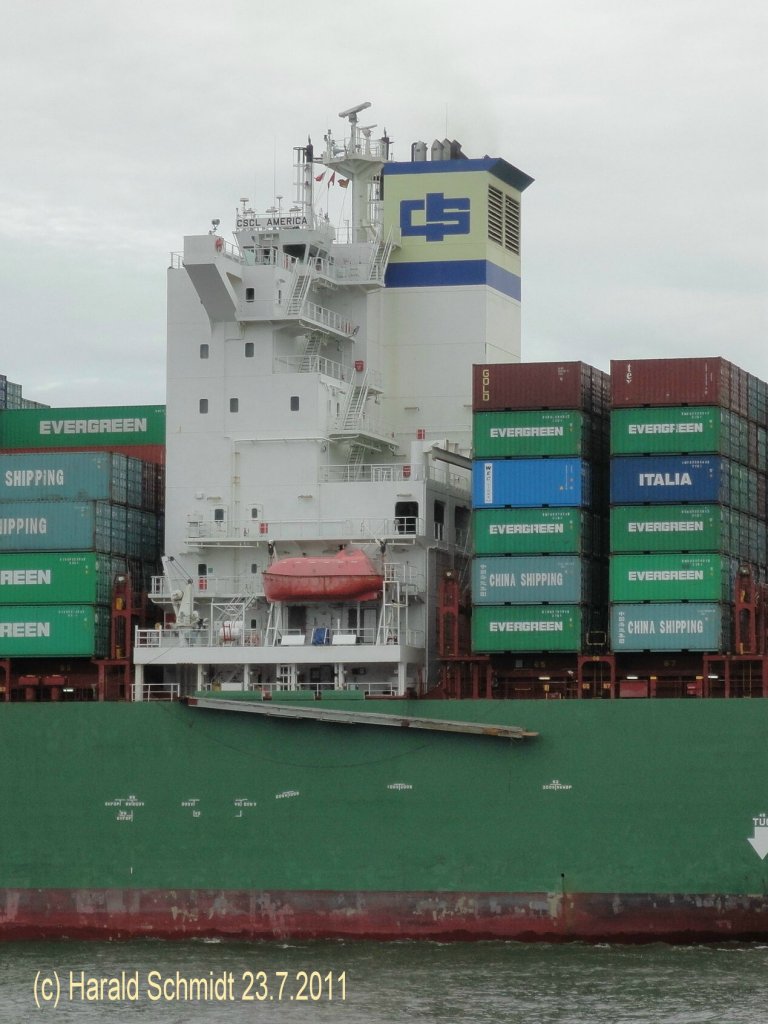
(128, 124)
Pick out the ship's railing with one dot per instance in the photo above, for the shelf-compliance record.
(390, 472)
(455, 479)
(343, 271)
(386, 472)
(323, 317)
(210, 586)
(160, 691)
(406, 575)
(358, 424)
(461, 539)
(228, 249)
(314, 529)
(269, 257)
(314, 364)
(216, 635)
(328, 367)
(338, 271)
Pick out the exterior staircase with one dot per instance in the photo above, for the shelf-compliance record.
(380, 259)
(302, 279)
(311, 352)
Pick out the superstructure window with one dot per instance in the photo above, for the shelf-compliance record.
(234, 405)
(203, 405)
(294, 403)
(218, 515)
(204, 351)
(249, 350)
(406, 515)
(249, 294)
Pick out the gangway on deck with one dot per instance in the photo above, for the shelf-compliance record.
(336, 717)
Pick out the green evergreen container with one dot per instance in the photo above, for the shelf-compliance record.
(688, 528)
(527, 628)
(536, 531)
(530, 434)
(57, 577)
(666, 528)
(671, 577)
(53, 631)
(680, 429)
(100, 426)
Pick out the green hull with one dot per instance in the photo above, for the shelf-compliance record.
(612, 797)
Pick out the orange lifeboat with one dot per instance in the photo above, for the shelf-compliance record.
(348, 575)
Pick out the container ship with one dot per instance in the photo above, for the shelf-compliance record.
(375, 631)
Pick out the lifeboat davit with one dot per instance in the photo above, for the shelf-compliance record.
(348, 575)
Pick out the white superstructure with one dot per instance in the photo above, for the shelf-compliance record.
(319, 398)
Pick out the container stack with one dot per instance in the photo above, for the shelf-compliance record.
(71, 520)
(688, 500)
(540, 434)
(11, 396)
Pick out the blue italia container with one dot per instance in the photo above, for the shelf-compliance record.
(666, 478)
(520, 483)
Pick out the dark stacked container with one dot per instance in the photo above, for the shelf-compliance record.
(12, 398)
(540, 435)
(71, 519)
(688, 500)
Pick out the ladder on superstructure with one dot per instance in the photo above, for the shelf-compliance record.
(353, 409)
(394, 599)
(380, 259)
(311, 352)
(302, 279)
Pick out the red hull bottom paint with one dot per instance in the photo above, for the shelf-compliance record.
(242, 914)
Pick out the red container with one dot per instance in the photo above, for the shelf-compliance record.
(698, 381)
(499, 386)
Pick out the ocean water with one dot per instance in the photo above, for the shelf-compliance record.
(368, 983)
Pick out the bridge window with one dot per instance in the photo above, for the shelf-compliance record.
(406, 514)
(439, 520)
